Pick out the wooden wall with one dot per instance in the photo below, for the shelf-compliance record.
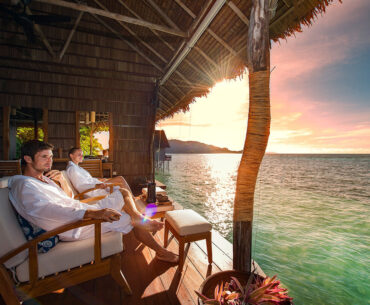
(99, 72)
(1, 134)
(61, 130)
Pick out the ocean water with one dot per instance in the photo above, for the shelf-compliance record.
(311, 217)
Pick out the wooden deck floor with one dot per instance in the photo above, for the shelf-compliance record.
(153, 282)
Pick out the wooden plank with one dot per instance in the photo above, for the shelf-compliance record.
(142, 54)
(153, 31)
(222, 42)
(163, 15)
(114, 16)
(69, 39)
(111, 137)
(77, 129)
(238, 12)
(45, 123)
(6, 140)
(41, 34)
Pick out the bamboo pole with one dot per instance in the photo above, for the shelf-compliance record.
(258, 54)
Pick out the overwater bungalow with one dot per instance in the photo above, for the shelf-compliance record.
(138, 62)
(160, 144)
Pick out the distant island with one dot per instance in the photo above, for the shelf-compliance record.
(194, 147)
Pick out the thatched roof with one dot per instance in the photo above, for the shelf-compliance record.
(160, 139)
(184, 45)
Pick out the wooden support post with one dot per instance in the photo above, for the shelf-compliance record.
(35, 125)
(6, 130)
(151, 126)
(111, 137)
(258, 55)
(77, 129)
(91, 138)
(45, 123)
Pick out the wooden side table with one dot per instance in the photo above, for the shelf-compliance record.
(108, 166)
(157, 212)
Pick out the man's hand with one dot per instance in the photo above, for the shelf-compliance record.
(101, 186)
(55, 175)
(106, 214)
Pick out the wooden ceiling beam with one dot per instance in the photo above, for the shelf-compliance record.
(119, 36)
(206, 57)
(165, 101)
(195, 36)
(42, 35)
(134, 34)
(175, 98)
(115, 16)
(163, 15)
(145, 44)
(221, 41)
(238, 12)
(177, 86)
(291, 9)
(185, 8)
(69, 39)
(153, 31)
(213, 34)
(200, 70)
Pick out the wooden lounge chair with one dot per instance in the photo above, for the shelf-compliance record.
(67, 264)
(93, 166)
(81, 196)
(10, 168)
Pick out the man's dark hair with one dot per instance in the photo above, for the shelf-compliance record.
(72, 151)
(31, 148)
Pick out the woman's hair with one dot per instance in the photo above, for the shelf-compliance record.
(72, 151)
(31, 148)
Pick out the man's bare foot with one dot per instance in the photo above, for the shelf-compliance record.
(167, 256)
(148, 224)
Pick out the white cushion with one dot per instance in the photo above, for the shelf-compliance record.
(4, 182)
(71, 254)
(187, 222)
(11, 235)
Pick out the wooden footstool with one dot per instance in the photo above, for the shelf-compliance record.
(187, 226)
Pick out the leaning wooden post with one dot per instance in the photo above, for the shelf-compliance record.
(151, 125)
(258, 54)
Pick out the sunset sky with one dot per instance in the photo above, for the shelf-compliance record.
(320, 92)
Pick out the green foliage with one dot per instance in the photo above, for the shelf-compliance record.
(85, 139)
(25, 134)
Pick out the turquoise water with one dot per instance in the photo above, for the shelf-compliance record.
(311, 217)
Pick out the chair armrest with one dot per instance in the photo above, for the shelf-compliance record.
(81, 195)
(92, 200)
(32, 245)
(110, 185)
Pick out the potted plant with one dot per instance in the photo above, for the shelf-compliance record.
(241, 288)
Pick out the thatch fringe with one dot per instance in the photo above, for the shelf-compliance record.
(305, 14)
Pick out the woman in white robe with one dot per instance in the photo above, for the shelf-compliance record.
(82, 179)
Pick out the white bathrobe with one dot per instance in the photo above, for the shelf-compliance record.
(48, 206)
(82, 180)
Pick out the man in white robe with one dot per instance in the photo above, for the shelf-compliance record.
(40, 201)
